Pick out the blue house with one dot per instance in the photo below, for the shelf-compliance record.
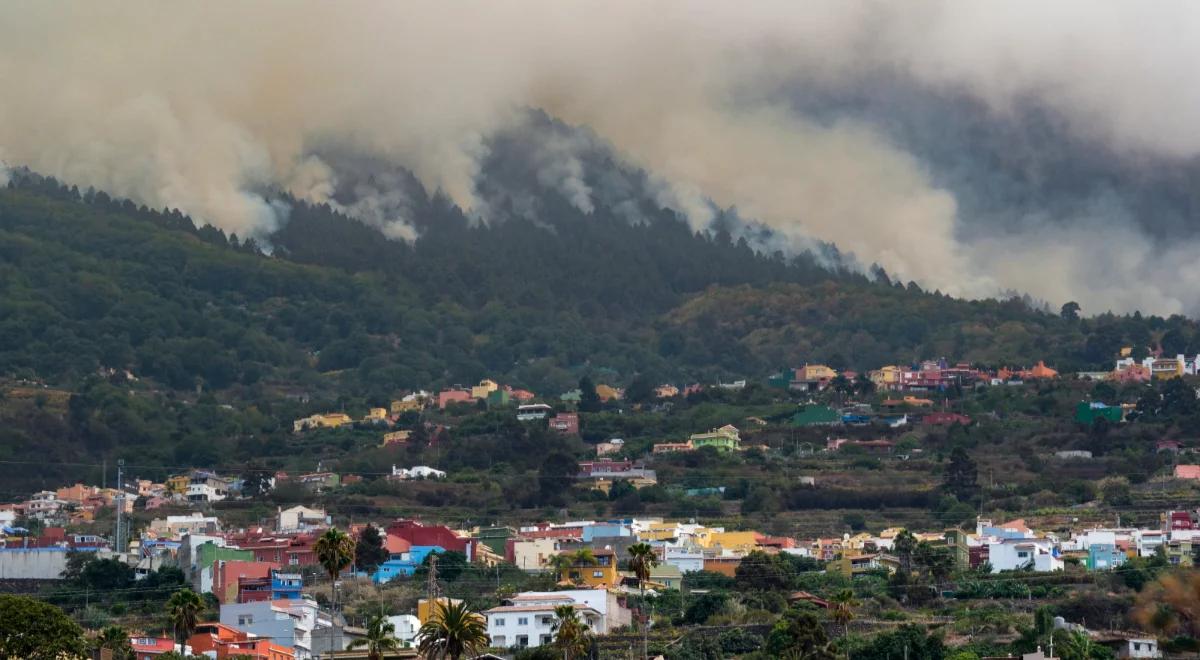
(404, 562)
(1104, 556)
(286, 586)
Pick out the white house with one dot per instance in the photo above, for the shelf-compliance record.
(527, 619)
(686, 559)
(207, 487)
(44, 505)
(532, 411)
(1017, 554)
(300, 519)
(1149, 541)
(534, 554)
(174, 527)
(417, 472)
(406, 628)
(288, 622)
(1138, 647)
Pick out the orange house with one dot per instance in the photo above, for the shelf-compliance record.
(723, 565)
(227, 642)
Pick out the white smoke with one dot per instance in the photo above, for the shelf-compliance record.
(207, 107)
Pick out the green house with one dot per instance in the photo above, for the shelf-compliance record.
(781, 380)
(498, 398)
(725, 438)
(1088, 412)
(816, 416)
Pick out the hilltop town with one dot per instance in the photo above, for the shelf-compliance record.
(872, 515)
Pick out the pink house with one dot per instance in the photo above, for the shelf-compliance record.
(1187, 471)
(1134, 373)
(447, 397)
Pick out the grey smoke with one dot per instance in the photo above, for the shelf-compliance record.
(203, 107)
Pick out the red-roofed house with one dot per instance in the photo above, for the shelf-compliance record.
(396, 545)
(227, 642)
(1187, 471)
(227, 572)
(148, 648)
(431, 535)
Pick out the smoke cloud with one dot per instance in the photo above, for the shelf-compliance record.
(210, 107)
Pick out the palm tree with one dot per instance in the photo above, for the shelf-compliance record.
(381, 636)
(115, 639)
(561, 565)
(335, 551)
(641, 560)
(453, 631)
(844, 603)
(183, 608)
(571, 634)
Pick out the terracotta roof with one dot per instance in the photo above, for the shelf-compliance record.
(396, 545)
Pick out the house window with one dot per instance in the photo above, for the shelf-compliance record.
(597, 574)
(546, 639)
(522, 621)
(245, 619)
(522, 641)
(293, 560)
(498, 621)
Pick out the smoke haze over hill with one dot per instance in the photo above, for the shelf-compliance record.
(972, 148)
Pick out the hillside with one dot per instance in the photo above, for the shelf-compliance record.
(339, 315)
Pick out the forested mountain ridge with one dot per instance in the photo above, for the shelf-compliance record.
(91, 282)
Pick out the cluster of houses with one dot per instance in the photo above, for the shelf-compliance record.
(265, 610)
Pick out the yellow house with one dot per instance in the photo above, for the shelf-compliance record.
(483, 389)
(810, 372)
(426, 609)
(395, 438)
(736, 541)
(607, 392)
(402, 406)
(885, 377)
(663, 531)
(376, 415)
(601, 575)
(178, 484)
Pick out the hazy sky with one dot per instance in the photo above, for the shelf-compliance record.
(207, 106)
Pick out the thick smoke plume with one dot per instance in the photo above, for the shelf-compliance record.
(208, 107)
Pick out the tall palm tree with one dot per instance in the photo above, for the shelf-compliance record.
(116, 640)
(381, 636)
(641, 560)
(844, 603)
(454, 630)
(183, 608)
(335, 551)
(570, 633)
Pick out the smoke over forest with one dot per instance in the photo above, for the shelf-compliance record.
(1049, 149)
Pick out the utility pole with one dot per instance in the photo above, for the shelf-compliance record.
(120, 502)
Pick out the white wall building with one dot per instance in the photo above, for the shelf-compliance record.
(417, 472)
(1148, 541)
(1016, 554)
(406, 626)
(686, 559)
(287, 622)
(527, 619)
(174, 527)
(300, 519)
(534, 554)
